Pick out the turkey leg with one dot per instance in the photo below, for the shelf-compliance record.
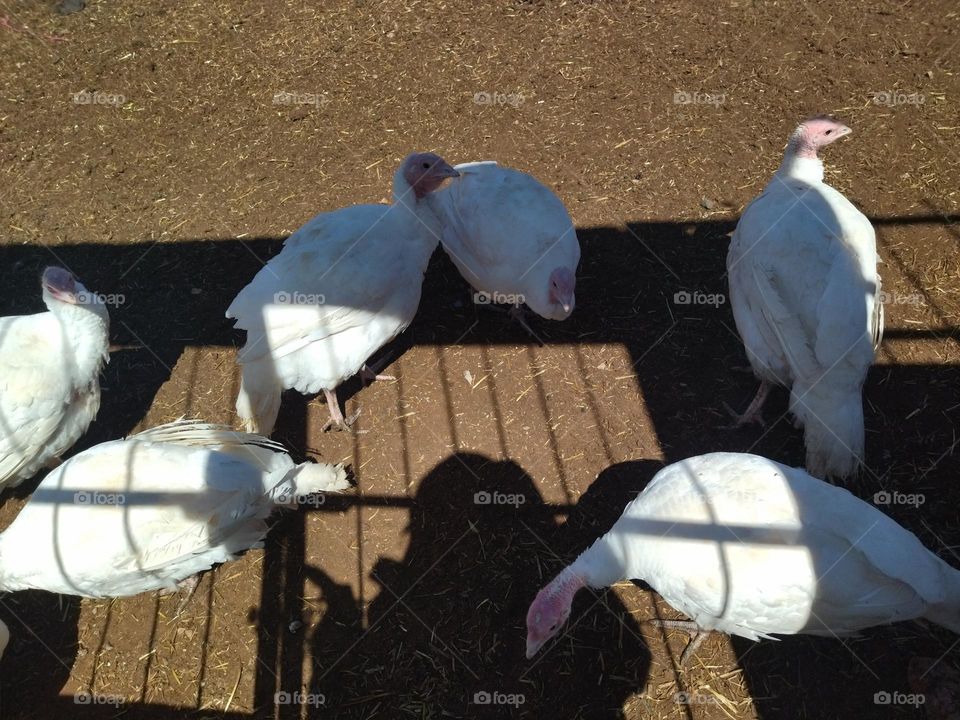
(753, 413)
(336, 417)
(368, 374)
(697, 635)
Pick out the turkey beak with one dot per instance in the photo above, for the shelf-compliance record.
(444, 170)
(533, 647)
(60, 284)
(60, 294)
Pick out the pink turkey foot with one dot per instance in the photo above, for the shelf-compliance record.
(368, 374)
(697, 635)
(753, 413)
(519, 314)
(336, 417)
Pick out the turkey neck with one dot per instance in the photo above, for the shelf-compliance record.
(601, 565)
(86, 331)
(429, 223)
(800, 162)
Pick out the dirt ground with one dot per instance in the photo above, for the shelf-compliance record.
(163, 150)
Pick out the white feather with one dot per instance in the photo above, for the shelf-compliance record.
(747, 546)
(344, 285)
(805, 292)
(144, 513)
(506, 232)
(49, 382)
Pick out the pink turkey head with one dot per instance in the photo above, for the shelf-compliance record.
(815, 133)
(550, 610)
(562, 286)
(60, 284)
(424, 172)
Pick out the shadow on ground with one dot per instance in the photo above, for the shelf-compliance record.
(486, 563)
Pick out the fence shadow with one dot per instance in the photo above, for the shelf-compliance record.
(683, 357)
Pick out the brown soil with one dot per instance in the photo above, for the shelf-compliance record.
(411, 597)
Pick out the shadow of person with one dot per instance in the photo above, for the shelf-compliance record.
(340, 629)
(600, 656)
(42, 649)
(447, 629)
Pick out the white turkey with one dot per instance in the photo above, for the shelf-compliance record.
(49, 376)
(511, 238)
(344, 285)
(805, 294)
(147, 512)
(747, 546)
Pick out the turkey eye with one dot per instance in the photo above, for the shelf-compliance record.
(828, 132)
(426, 166)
